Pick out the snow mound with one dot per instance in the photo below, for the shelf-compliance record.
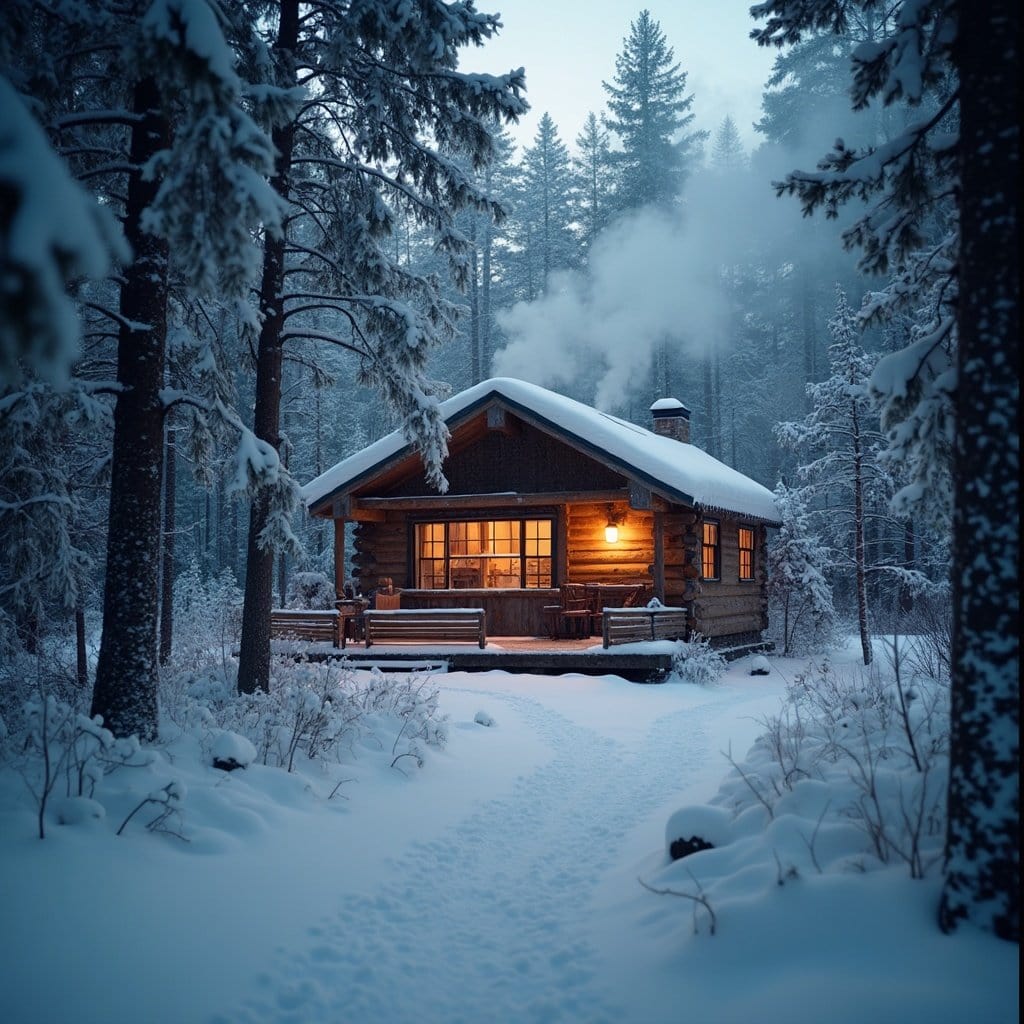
(78, 810)
(231, 751)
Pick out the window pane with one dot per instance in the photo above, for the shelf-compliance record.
(430, 544)
(499, 553)
(709, 551)
(746, 548)
(504, 536)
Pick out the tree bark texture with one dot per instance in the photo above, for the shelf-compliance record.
(254, 650)
(81, 655)
(125, 693)
(982, 862)
(167, 563)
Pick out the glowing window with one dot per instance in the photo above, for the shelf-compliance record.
(746, 545)
(710, 551)
(484, 553)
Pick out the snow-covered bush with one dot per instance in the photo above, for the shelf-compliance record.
(929, 633)
(207, 618)
(64, 756)
(799, 594)
(876, 742)
(849, 776)
(321, 711)
(695, 661)
(311, 590)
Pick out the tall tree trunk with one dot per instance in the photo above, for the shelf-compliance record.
(167, 563)
(716, 367)
(254, 650)
(474, 305)
(485, 303)
(320, 530)
(982, 863)
(125, 693)
(906, 595)
(859, 552)
(810, 335)
(81, 655)
(709, 405)
(219, 493)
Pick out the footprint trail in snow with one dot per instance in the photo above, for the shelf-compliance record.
(490, 920)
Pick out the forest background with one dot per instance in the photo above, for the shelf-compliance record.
(235, 227)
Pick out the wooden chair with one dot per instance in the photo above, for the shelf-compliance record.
(613, 595)
(351, 625)
(571, 616)
(387, 602)
(575, 610)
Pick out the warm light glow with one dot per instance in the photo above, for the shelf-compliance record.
(611, 533)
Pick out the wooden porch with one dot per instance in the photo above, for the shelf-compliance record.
(535, 655)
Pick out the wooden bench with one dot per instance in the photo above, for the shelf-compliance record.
(636, 625)
(425, 626)
(304, 624)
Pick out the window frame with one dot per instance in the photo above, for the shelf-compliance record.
(716, 548)
(741, 550)
(523, 555)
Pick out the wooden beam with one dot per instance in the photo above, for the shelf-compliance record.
(562, 548)
(339, 558)
(348, 507)
(359, 514)
(504, 499)
(659, 556)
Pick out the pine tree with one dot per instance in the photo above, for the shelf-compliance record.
(651, 115)
(145, 104)
(951, 62)
(544, 206)
(727, 153)
(593, 178)
(841, 437)
(798, 564)
(385, 113)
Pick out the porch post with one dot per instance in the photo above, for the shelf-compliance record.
(562, 546)
(659, 555)
(339, 558)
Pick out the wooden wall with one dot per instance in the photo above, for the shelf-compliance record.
(382, 550)
(527, 461)
(591, 559)
(718, 609)
(729, 606)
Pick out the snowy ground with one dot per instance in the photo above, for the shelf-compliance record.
(497, 883)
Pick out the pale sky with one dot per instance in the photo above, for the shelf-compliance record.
(569, 46)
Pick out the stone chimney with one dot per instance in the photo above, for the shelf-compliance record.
(671, 419)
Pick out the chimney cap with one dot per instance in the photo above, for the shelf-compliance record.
(664, 408)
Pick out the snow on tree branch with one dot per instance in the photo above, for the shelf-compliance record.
(52, 235)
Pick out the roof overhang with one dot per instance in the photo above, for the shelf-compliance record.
(324, 505)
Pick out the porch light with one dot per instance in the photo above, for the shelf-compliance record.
(611, 531)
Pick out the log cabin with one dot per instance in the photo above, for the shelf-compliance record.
(542, 491)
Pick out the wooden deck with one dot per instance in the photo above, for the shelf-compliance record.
(504, 653)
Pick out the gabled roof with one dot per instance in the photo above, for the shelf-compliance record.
(681, 472)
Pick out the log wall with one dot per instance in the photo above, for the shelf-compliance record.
(717, 609)
(591, 559)
(730, 606)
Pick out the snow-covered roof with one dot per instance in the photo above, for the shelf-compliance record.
(683, 472)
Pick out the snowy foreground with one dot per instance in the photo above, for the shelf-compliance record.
(497, 883)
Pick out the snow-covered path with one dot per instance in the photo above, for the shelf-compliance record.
(497, 884)
(492, 919)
